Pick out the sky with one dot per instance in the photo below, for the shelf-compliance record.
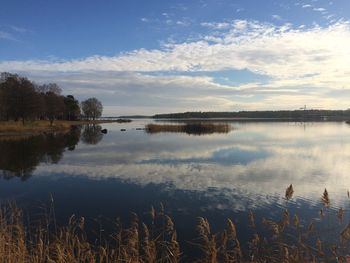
(161, 56)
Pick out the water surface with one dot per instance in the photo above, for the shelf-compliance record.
(217, 175)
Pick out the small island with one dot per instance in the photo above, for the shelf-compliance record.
(189, 128)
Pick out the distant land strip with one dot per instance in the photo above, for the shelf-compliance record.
(335, 115)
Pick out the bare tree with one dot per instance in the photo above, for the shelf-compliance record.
(19, 99)
(92, 108)
(54, 106)
(51, 87)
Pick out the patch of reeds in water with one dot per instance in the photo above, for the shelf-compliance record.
(289, 239)
(190, 128)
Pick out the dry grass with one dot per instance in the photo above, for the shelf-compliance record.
(287, 240)
(190, 128)
(139, 242)
(32, 126)
(37, 127)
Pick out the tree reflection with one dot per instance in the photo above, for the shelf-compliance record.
(20, 156)
(92, 134)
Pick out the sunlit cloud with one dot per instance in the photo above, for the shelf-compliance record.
(213, 25)
(320, 9)
(260, 47)
(302, 65)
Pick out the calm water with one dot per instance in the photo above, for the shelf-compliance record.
(215, 176)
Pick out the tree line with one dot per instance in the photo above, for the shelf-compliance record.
(281, 114)
(22, 99)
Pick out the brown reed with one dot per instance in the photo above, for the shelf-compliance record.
(288, 241)
(196, 128)
(289, 192)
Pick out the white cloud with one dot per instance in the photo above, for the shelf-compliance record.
(276, 17)
(214, 25)
(262, 48)
(182, 23)
(302, 65)
(320, 9)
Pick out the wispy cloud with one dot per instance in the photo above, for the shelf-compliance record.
(144, 19)
(276, 17)
(184, 22)
(7, 36)
(301, 64)
(320, 9)
(276, 51)
(19, 29)
(215, 25)
(11, 32)
(306, 6)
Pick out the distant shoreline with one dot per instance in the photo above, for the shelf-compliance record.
(12, 128)
(250, 120)
(299, 115)
(281, 115)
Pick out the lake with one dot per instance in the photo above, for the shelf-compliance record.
(215, 175)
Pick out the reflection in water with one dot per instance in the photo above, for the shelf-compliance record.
(20, 156)
(258, 159)
(92, 134)
(218, 176)
(196, 128)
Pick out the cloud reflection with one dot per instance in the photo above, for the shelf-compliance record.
(259, 159)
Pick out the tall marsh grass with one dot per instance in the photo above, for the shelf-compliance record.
(190, 128)
(289, 239)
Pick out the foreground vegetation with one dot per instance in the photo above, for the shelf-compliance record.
(287, 240)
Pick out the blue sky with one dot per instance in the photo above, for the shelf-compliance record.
(145, 57)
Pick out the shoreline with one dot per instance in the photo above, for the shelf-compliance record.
(30, 128)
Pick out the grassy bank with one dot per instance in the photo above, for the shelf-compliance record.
(289, 239)
(37, 127)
